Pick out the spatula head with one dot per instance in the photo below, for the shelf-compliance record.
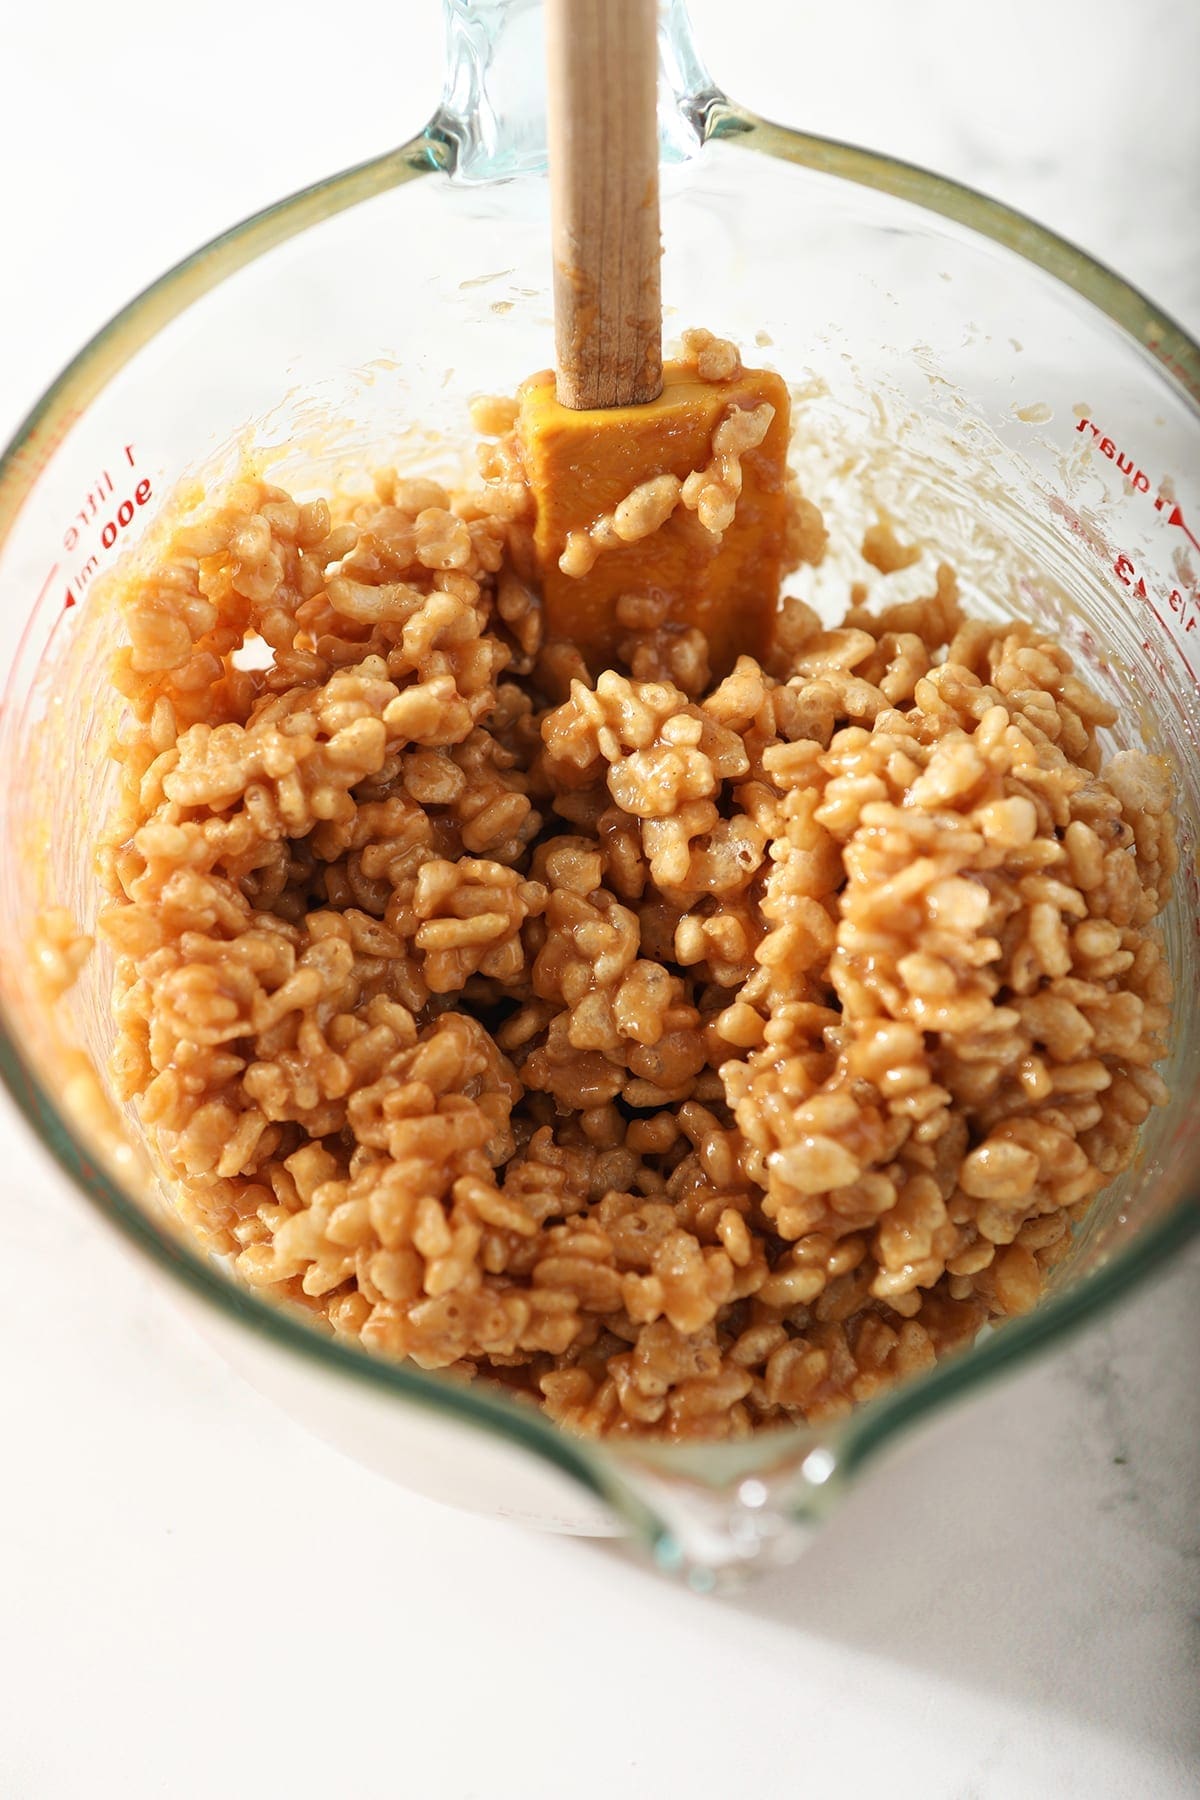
(581, 465)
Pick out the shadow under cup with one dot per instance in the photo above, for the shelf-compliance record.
(1036, 429)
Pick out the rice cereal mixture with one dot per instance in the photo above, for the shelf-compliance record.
(690, 1055)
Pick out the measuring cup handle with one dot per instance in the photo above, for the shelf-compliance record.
(491, 122)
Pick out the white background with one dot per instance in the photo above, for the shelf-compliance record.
(198, 1600)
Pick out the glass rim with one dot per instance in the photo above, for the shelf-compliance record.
(606, 1471)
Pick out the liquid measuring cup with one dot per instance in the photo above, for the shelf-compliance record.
(990, 387)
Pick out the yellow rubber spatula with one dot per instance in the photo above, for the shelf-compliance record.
(661, 480)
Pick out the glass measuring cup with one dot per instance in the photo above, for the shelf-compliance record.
(943, 348)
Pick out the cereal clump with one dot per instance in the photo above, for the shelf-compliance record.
(689, 1056)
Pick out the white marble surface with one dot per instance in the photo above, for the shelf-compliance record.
(197, 1599)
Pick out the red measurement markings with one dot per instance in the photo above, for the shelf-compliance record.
(1176, 518)
(44, 586)
(112, 520)
(111, 517)
(26, 633)
(1139, 480)
(1184, 607)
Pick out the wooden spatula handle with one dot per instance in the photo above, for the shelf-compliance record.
(603, 77)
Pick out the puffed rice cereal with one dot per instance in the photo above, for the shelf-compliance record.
(689, 1057)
